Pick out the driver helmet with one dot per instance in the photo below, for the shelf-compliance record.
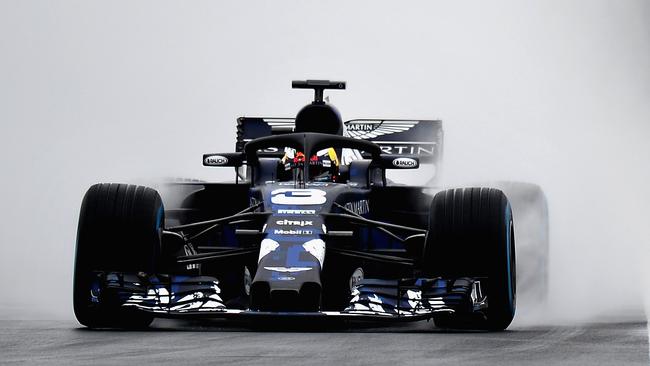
(323, 166)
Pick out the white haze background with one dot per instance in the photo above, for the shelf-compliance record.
(551, 92)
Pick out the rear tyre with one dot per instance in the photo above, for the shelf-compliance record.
(119, 230)
(471, 234)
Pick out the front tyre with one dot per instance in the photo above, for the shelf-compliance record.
(119, 230)
(471, 234)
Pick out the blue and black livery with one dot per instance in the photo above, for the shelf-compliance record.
(350, 244)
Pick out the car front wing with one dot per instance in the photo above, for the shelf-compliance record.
(372, 299)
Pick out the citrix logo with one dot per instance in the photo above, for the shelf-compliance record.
(295, 222)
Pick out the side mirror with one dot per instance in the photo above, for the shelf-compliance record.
(225, 159)
(388, 161)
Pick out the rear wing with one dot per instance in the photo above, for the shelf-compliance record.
(421, 138)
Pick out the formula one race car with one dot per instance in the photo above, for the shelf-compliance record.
(311, 228)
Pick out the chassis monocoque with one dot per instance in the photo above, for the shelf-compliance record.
(278, 244)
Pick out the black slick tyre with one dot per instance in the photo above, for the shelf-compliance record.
(471, 234)
(119, 230)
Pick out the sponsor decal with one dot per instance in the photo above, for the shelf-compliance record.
(405, 163)
(285, 278)
(295, 222)
(370, 129)
(292, 232)
(406, 148)
(310, 184)
(286, 196)
(283, 211)
(288, 269)
(215, 160)
(361, 207)
(358, 126)
(383, 132)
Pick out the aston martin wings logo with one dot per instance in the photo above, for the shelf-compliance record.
(288, 269)
(371, 129)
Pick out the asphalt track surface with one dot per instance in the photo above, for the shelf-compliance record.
(217, 343)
